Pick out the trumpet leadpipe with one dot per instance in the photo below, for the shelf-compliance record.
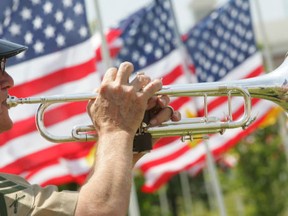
(13, 101)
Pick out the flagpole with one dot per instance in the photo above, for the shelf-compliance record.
(214, 179)
(186, 192)
(180, 44)
(267, 52)
(104, 45)
(164, 205)
(133, 205)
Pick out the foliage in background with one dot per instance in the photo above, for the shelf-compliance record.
(262, 170)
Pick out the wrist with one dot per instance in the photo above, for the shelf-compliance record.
(115, 133)
(116, 139)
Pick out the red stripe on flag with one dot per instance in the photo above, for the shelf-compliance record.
(69, 157)
(173, 75)
(164, 141)
(54, 79)
(79, 179)
(52, 116)
(165, 159)
(40, 158)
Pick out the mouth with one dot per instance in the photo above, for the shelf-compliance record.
(4, 103)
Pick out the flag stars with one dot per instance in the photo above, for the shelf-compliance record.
(69, 25)
(15, 29)
(148, 48)
(49, 31)
(36, 2)
(161, 41)
(7, 12)
(44, 26)
(78, 9)
(142, 61)
(15, 5)
(37, 23)
(59, 17)
(48, 7)
(154, 35)
(158, 53)
(60, 40)
(7, 21)
(38, 47)
(222, 72)
(67, 3)
(167, 47)
(124, 51)
(135, 56)
(26, 14)
(152, 39)
(83, 32)
(28, 38)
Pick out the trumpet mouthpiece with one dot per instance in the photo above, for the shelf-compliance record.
(12, 101)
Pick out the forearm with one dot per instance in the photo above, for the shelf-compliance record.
(107, 191)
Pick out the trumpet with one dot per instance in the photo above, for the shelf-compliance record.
(272, 86)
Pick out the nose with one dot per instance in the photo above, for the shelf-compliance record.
(6, 81)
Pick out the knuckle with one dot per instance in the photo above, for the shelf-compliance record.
(117, 88)
(111, 70)
(127, 66)
(103, 88)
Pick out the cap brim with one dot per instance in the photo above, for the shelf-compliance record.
(9, 49)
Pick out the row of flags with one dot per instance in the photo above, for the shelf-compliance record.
(64, 58)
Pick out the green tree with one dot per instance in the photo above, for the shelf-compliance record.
(262, 169)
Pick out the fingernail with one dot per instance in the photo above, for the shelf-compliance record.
(163, 101)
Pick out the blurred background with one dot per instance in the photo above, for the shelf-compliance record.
(252, 176)
(241, 173)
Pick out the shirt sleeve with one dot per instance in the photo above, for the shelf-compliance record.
(18, 197)
(49, 201)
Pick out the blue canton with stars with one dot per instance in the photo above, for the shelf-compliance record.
(44, 26)
(221, 41)
(147, 35)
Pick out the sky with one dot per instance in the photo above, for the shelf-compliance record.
(114, 10)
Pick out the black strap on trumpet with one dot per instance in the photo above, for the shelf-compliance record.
(143, 141)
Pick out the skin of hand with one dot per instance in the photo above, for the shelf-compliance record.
(116, 114)
(157, 105)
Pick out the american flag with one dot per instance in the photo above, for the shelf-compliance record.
(222, 48)
(147, 38)
(60, 60)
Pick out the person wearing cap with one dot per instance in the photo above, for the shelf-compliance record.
(116, 114)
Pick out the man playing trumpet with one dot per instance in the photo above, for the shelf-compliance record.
(116, 114)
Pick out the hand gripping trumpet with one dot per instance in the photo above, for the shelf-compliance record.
(272, 86)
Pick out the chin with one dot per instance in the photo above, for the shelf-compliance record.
(6, 125)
